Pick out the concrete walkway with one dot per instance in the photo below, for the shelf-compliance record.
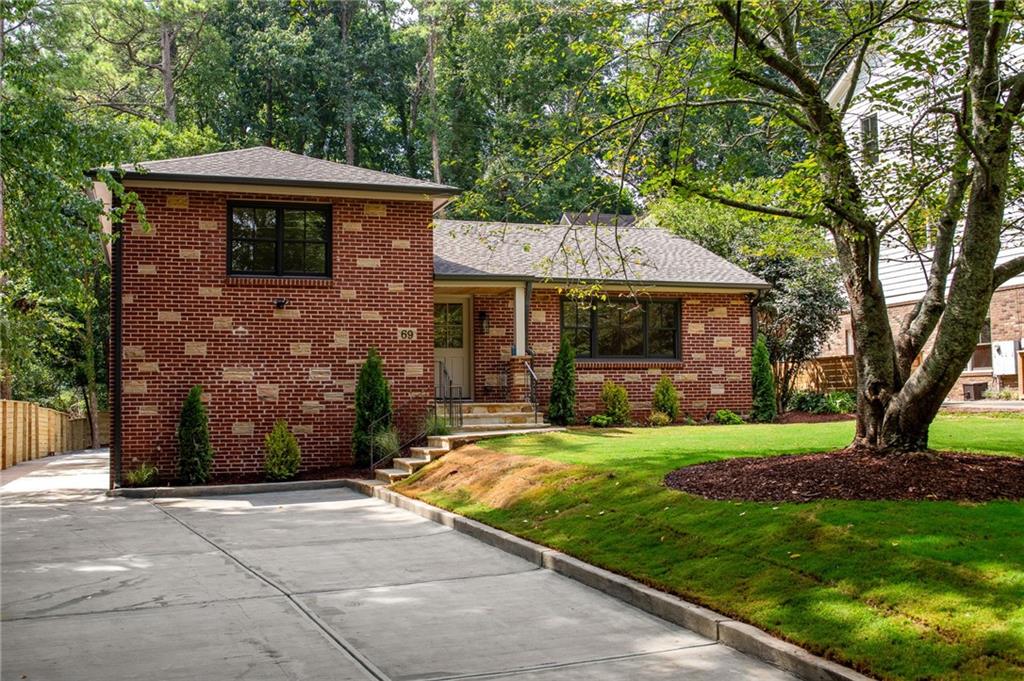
(299, 585)
(984, 405)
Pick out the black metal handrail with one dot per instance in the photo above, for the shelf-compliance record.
(447, 397)
(531, 390)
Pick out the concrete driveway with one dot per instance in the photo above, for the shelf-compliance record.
(300, 585)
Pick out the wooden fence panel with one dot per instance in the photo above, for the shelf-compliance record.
(28, 431)
(826, 374)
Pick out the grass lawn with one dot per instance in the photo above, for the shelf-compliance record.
(900, 590)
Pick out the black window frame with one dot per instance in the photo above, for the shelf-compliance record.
(646, 356)
(279, 208)
(869, 138)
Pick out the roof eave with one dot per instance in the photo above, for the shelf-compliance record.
(438, 191)
(619, 282)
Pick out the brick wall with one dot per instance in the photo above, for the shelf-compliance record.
(1006, 312)
(187, 323)
(713, 373)
(493, 349)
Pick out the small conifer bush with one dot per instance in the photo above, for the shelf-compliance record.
(373, 406)
(194, 452)
(562, 406)
(763, 409)
(727, 417)
(283, 455)
(616, 403)
(666, 399)
(658, 418)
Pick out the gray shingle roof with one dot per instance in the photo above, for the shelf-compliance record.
(264, 165)
(649, 255)
(610, 219)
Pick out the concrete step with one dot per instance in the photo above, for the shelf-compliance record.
(501, 417)
(487, 426)
(411, 464)
(496, 407)
(430, 453)
(467, 436)
(390, 475)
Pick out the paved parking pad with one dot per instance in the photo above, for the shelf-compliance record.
(325, 584)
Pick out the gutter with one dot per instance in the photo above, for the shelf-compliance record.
(128, 176)
(116, 332)
(618, 282)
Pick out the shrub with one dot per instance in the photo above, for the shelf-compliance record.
(840, 402)
(436, 424)
(659, 418)
(600, 421)
(283, 455)
(373, 406)
(1004, 394)
(727, 417)
(616, 403)
(666, 399)
(562, 406)
(763, 410)
(813, 403)
(143, 476)
(194, 452)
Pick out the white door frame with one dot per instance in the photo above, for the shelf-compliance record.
(467, 344)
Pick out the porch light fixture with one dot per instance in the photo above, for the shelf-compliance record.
(280, 303)
(485, 322)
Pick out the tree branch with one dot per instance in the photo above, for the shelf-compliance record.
(744, 205)
(1008, 270)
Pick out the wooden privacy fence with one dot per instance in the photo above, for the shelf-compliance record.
(30, 432)
(826, 374)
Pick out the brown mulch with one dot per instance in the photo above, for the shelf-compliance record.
(317, 474)
(855, 475)
(808, 417)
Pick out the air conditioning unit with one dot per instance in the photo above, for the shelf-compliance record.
(1004, 357)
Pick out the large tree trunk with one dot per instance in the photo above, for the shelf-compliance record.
(168, 55)
(435, 147)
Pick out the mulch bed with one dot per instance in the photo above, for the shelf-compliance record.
(855, 475)
(318, 474)
(807, 417)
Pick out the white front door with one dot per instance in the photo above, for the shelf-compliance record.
(451, 345)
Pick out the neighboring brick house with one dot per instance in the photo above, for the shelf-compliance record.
(266, 276)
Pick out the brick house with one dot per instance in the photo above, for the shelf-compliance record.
(266, 276)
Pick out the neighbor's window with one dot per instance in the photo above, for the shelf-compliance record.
(982, 358)
(869, 138)
(286, 240)
(605, 330)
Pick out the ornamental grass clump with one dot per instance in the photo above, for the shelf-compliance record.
(195, 455)
(283, 455)
(616, 403)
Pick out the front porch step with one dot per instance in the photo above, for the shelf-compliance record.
(439, 445)
(496, 407)
(500, 417)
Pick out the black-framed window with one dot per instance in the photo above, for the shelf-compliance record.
(608, 330)
(282, 240)
(869, 138)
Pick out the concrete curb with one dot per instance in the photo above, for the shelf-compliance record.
(738, 635)
(221, 490)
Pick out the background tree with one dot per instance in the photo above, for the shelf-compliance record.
(961, 97)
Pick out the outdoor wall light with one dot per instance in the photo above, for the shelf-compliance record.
(281, 303)
(485, 322)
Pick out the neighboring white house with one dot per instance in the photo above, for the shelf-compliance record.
(879, 134)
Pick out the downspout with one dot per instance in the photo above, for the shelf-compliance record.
(117, 287)
(526, 322)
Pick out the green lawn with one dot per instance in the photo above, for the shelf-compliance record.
(901, 590)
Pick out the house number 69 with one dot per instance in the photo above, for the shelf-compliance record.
(407, 334)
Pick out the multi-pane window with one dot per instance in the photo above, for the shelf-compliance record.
(448, 325)
(869, 138)
(982, 357)
(648, 330)
(279, 240)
